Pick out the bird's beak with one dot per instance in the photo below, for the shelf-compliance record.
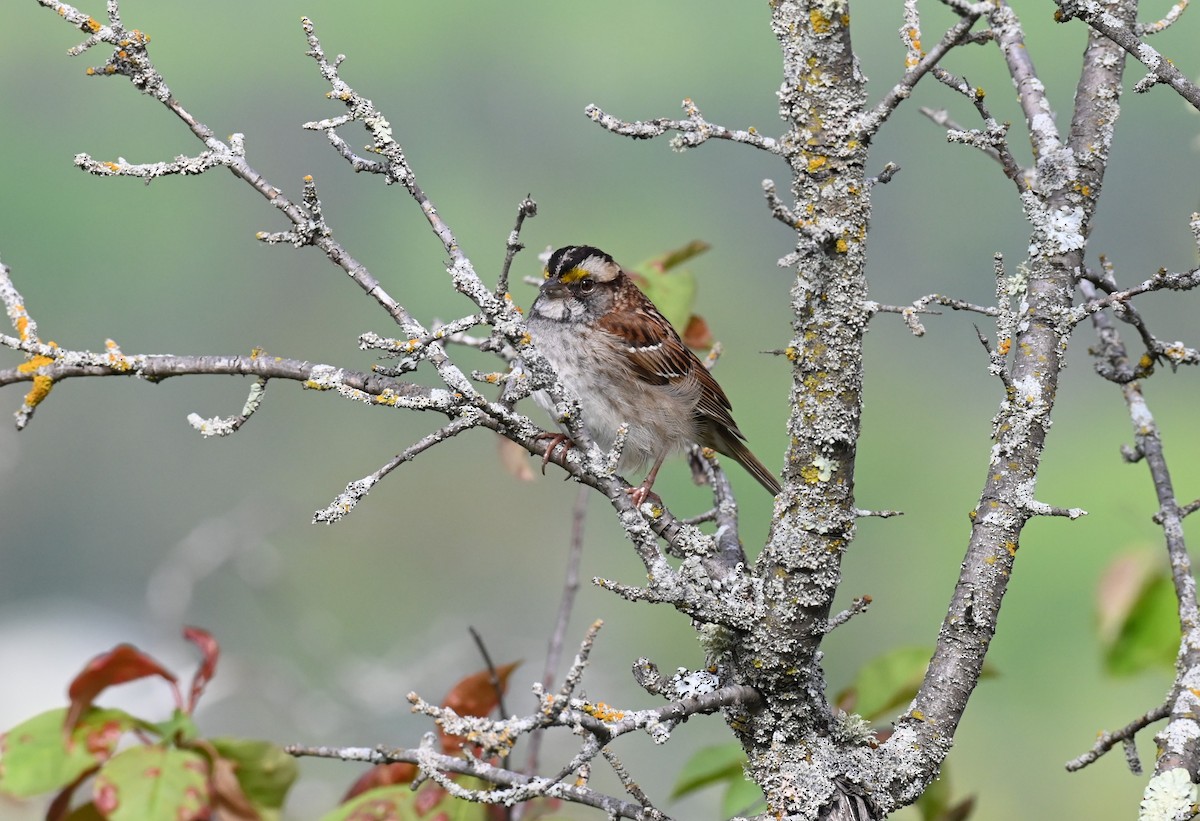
(555, 290)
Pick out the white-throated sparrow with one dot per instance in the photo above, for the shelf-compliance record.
(626, 364)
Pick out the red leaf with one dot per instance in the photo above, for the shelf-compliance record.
(382, 775)
(475, 695)
(61, 804)
(697, 334)
(119, 665)
(210, 650)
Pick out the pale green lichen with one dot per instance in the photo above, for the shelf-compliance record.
(1169, 796)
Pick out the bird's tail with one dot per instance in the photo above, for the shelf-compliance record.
(734, 447)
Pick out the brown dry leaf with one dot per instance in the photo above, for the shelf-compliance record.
(515, 459)
(697, 334)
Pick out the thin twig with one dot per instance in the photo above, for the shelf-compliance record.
(1161, 69)
(918, 67)
(494, 677)
(526, 208)
(566, 605)
(1177, 747)
(693, 131)
(1106, 741)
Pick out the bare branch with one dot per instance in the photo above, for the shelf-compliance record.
(693, 131)
(1172, 16)
(1161, 69)
(992, 139)
(1178, 745)
(526, 208)
(185, 166)
(1162, 280)
(921, 306)
(779, 210)
(1106, 740)
(858, 606)
(223, 426)
(520, 787)
(1042, 509)
(565, 606)
(917, 63)
(348, 499)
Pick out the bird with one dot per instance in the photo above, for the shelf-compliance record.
(625, 363)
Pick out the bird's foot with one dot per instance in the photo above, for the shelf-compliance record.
(556, 439)
(640, 494)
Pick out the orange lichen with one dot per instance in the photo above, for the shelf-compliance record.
(603, 712)
(33, 363)
(40, 390)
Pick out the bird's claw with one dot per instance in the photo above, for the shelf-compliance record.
(556, 439)
(638, 495)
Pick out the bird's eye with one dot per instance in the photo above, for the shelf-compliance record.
(587, 285)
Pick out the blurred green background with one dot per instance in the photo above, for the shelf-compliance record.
(117, 522)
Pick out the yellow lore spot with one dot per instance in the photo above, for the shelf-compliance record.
(574, 275)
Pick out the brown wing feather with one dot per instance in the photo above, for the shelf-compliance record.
(653, 348)
(658, 357)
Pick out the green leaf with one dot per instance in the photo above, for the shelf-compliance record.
(86, 812)
(35, 758)
(399, 803)
(888, 681)
(711, 765)
(179, 727)
(1148, 637)
(671, 289)
(673, 259)
(264, 770)
(153, 783)
(742, 798)
(936, 798)
(674, 294)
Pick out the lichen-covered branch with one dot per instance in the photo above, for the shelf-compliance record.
(761, 623)
(1116, 29)
(1124, 736)
(519, 787)
(1059, 204)
(1179, 741)
(597, 724)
